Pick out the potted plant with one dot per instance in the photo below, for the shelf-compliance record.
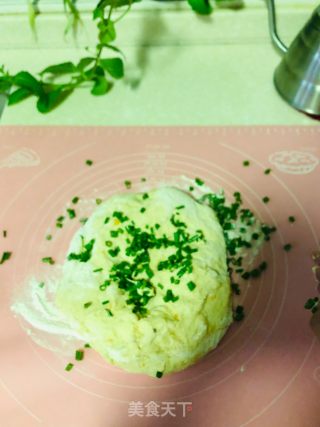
(98, 71)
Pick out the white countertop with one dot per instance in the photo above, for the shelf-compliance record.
(181, 69)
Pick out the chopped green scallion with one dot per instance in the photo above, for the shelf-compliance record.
(79, 355)
(5, 257)
(199, 181)
(69, 367)
(47, 260)
(191, 285)
(169, 296)
(87, 304)
(71, 213)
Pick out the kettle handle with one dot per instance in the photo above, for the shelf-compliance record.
(277, 42)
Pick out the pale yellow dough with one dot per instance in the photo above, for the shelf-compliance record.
(174, 335)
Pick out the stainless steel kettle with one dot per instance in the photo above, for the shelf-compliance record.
(297, 77)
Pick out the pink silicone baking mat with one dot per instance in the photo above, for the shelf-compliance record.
(265, 372)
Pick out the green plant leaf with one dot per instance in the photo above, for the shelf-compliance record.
(48, 101)
(98, 12)
(25, 80)
(101, 86)
(114, 66)
(5, 84)
(107, 32)
(202, 7)
(59, 69)
(95, 71)
(84, 63)
(18, 95)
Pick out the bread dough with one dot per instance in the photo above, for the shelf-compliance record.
(173, 324)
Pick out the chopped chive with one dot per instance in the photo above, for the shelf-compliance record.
(114, 252)
(4, 233)
(120, 216)
(266, 199)
(71, 213)
(191, 285)
(69, 367)
(128, 184)
(98, 201)
(108, 243)
(87, 304)
(159, 374)
(199, 181)
(97, 270)
(75, 200)
(85, 254)
(238, 314)
(48, 237)
(160, 286)
(312, 304)
(89, 162)
(105, 302)
(87, 345)
(47, 260)
(191, 188)
(180, 207)
(104, 285)
(145, 196)
(5, 257)
(169, 296)
(291, 219)
(246, 163)
(267, 171)
(237, 197)
(107, 219)
(59, 221)
(143, 179)
(287, 247)
(263, 266)
(235, 288)
(79, 355)
(41, 284)
(83, 220)
(157, 226)
(109, 312)
(142, 210)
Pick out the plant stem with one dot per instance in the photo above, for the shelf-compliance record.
(100, 49)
